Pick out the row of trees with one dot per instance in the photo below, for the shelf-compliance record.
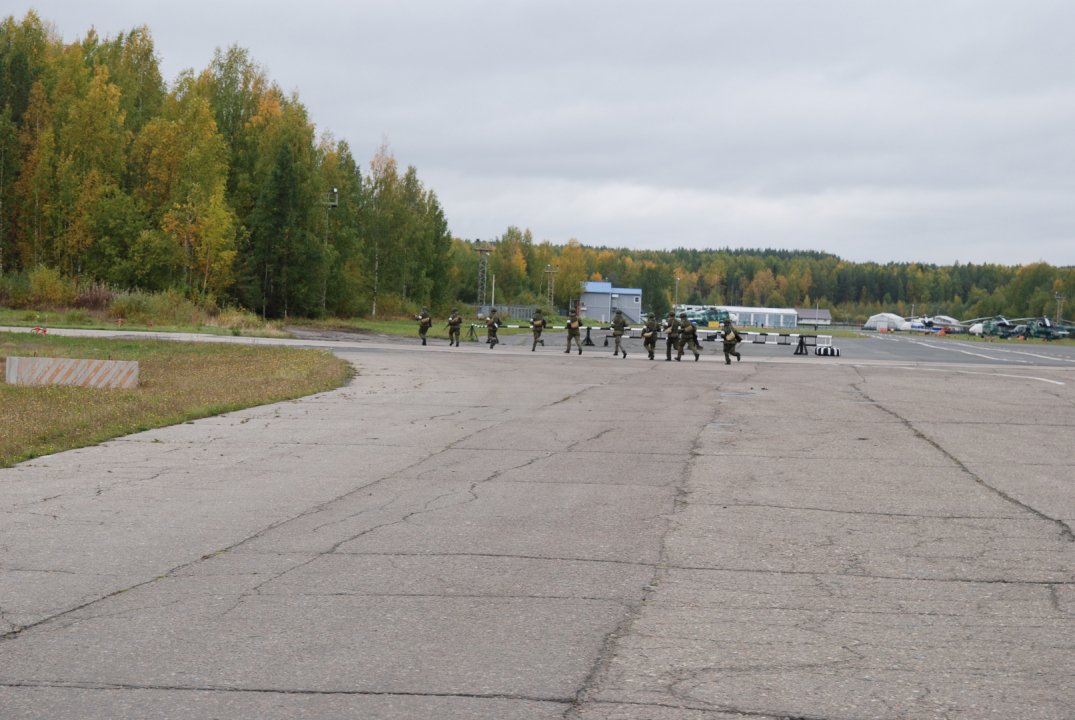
(217, 186)
(768, 278)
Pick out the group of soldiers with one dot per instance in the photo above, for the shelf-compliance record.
(680, 333)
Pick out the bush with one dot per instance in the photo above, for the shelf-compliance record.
(49, 289)
(240, 321)
(131, 306)
(166, 308)
(390, 305)
(13, 290)
(96, 297)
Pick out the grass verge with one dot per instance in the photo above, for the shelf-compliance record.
(224, 324)
(177, 382)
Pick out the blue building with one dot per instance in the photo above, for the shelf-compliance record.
(600, 301)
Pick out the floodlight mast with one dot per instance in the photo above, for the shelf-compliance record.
(551, 272)
(332, 199)
(483, 270)
(1059, 307)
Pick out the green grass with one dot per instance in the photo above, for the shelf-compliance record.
(178, 382)
(85, 321)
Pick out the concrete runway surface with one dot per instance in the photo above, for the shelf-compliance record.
(505, 534)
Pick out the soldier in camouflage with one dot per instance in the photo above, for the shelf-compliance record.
(573, 325)
(491, 324)
(424, 321)
(455, 323)
(618, 326)
(649, 334)
(688, 337)
(731, 338)
(671, 335)
(537, 324)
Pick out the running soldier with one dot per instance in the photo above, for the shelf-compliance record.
(649, 334)
(424, 321)
(671, 335)
(573, 332)
(731, 338)
(491, 324)
(618, 326)
(537, 324)
(455, 323)
(688, 337)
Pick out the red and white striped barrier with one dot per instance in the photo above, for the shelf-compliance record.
(65, 371)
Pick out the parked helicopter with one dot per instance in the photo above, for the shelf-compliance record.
(1031, 328)
(933, 324)
(1044, 329)
(996, 326)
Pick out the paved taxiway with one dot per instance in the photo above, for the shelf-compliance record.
(481, 533)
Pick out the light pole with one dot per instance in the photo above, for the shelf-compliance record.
(1060, 307)
(677, 294)
(483, 270)
(551, 272)
(332, 199)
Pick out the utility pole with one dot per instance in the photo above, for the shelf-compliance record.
(1059, 307)
(332, 199)
(551, 272)
(483, 271)
(677, 294)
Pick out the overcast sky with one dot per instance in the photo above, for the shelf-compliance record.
(928, 131)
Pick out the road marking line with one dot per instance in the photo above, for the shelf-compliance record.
(971, 372)
(965, 352)
(1045, 357)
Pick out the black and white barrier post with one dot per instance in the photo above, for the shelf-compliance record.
(825, 348)
(822, 344)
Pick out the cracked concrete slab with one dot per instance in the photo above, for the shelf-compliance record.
(177, 704)
(831, 577)
(511, 535)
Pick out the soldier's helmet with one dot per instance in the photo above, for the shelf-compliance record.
(455, 309)
(424, 308)
(672, 314)
(492, 310)
(727, 322)
(683, 315)
(619, 312)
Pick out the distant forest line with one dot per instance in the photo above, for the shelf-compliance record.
(217, 186)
